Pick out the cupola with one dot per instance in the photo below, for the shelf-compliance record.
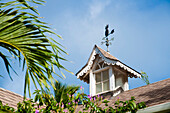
(105, 73)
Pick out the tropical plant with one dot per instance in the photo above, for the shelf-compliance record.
(91, 104)
(5, 108)
(26, 38)
(144, 77)
(62, 92)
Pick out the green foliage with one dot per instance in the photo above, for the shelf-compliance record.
(26, 107)
(144, 77)
(5, 108)
(26, 38)
(128, 105)
(46, 103)
(94, 105)
(62, 93)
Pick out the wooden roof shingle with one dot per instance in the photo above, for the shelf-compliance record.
(152, 94)
(10, 98)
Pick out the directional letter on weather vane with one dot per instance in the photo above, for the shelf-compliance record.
(106, 39)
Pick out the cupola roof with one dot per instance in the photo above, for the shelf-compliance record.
(109, 60)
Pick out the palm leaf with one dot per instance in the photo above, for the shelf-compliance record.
(62, 92)
(24, 36)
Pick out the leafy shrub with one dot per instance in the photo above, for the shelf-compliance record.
(46, 103)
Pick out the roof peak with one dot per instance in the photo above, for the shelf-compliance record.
(105, 53)
(108, 59)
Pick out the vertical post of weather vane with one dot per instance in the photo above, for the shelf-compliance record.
(106, 39)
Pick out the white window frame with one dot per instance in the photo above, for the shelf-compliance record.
(100, 71)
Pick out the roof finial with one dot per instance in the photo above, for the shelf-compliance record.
(107, 41)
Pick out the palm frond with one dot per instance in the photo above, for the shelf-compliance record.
(24, 36)
(62, 92)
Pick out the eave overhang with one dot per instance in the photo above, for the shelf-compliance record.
(109, 60)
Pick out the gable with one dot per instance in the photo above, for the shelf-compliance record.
(98, 55)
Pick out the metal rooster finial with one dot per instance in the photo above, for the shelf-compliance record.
(107, 41)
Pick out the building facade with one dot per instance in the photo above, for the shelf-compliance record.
(105, 73)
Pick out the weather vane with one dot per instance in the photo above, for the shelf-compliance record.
(106, 39)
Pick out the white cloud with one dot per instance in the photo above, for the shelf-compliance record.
(97, 7)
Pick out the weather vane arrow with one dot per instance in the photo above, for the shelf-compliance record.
(106, 39)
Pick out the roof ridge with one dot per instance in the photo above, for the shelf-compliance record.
(106, 54)
(102, 49)
(147, 85)
(11, 92)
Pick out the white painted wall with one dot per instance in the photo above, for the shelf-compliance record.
(111, 78)
(126, 85)
(92, 83)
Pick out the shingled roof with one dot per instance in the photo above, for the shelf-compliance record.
(108, 59)
(153, 94)
(10, 98)
(106, 54)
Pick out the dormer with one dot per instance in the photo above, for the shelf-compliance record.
(105, 73)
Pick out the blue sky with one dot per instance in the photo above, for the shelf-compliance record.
(141, 38)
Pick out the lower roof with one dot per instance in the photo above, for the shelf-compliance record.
(152, 94)
(10, 98)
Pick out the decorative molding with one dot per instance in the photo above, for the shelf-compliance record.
(89, 64)
(107, 61)
(126, 68)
